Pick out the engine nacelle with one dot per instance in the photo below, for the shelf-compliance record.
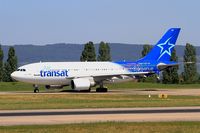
(53, 86)
(82, 83)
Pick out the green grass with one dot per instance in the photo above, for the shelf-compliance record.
(15, 86)
(69, 101)
(18, 86)
(109, 127)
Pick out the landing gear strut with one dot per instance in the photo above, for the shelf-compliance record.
(36, 90)
(101, 88)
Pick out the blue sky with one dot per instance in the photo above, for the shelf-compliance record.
(42, 22)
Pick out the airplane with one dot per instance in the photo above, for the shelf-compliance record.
(82, 76)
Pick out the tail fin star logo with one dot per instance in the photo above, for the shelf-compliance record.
(165, 48)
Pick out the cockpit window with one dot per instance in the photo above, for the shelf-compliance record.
(22, 70)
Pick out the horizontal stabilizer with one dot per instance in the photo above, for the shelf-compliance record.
(162, 66)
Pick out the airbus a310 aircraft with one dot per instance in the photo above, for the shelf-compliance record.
(84, 75)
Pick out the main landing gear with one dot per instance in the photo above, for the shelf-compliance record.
(101, 88)
(36, 90)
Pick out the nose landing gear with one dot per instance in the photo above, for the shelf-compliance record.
(36, 89)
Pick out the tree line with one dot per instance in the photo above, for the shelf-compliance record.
(169, 76)
(9, 66)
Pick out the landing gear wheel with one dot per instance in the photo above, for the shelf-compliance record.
(105, 89)
(101, 90)
(36, 90)
(97, 89)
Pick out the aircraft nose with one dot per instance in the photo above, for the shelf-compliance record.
(14, 75)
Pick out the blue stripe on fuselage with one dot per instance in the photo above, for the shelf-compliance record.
(143, 66)
(139, 66)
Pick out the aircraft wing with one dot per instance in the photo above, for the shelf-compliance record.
(105, 77)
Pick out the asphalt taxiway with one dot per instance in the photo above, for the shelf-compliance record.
(186, 92)
(62, 116)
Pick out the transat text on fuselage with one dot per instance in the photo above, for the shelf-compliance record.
(54, 73)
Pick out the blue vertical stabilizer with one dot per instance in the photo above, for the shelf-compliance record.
(163, 49)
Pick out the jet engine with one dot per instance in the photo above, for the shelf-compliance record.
(80, 84)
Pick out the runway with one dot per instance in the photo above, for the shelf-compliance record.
(62, 116)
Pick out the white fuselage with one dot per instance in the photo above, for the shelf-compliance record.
(61, 73)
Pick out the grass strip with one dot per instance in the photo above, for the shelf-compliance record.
(71, 101)
(110, 127)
